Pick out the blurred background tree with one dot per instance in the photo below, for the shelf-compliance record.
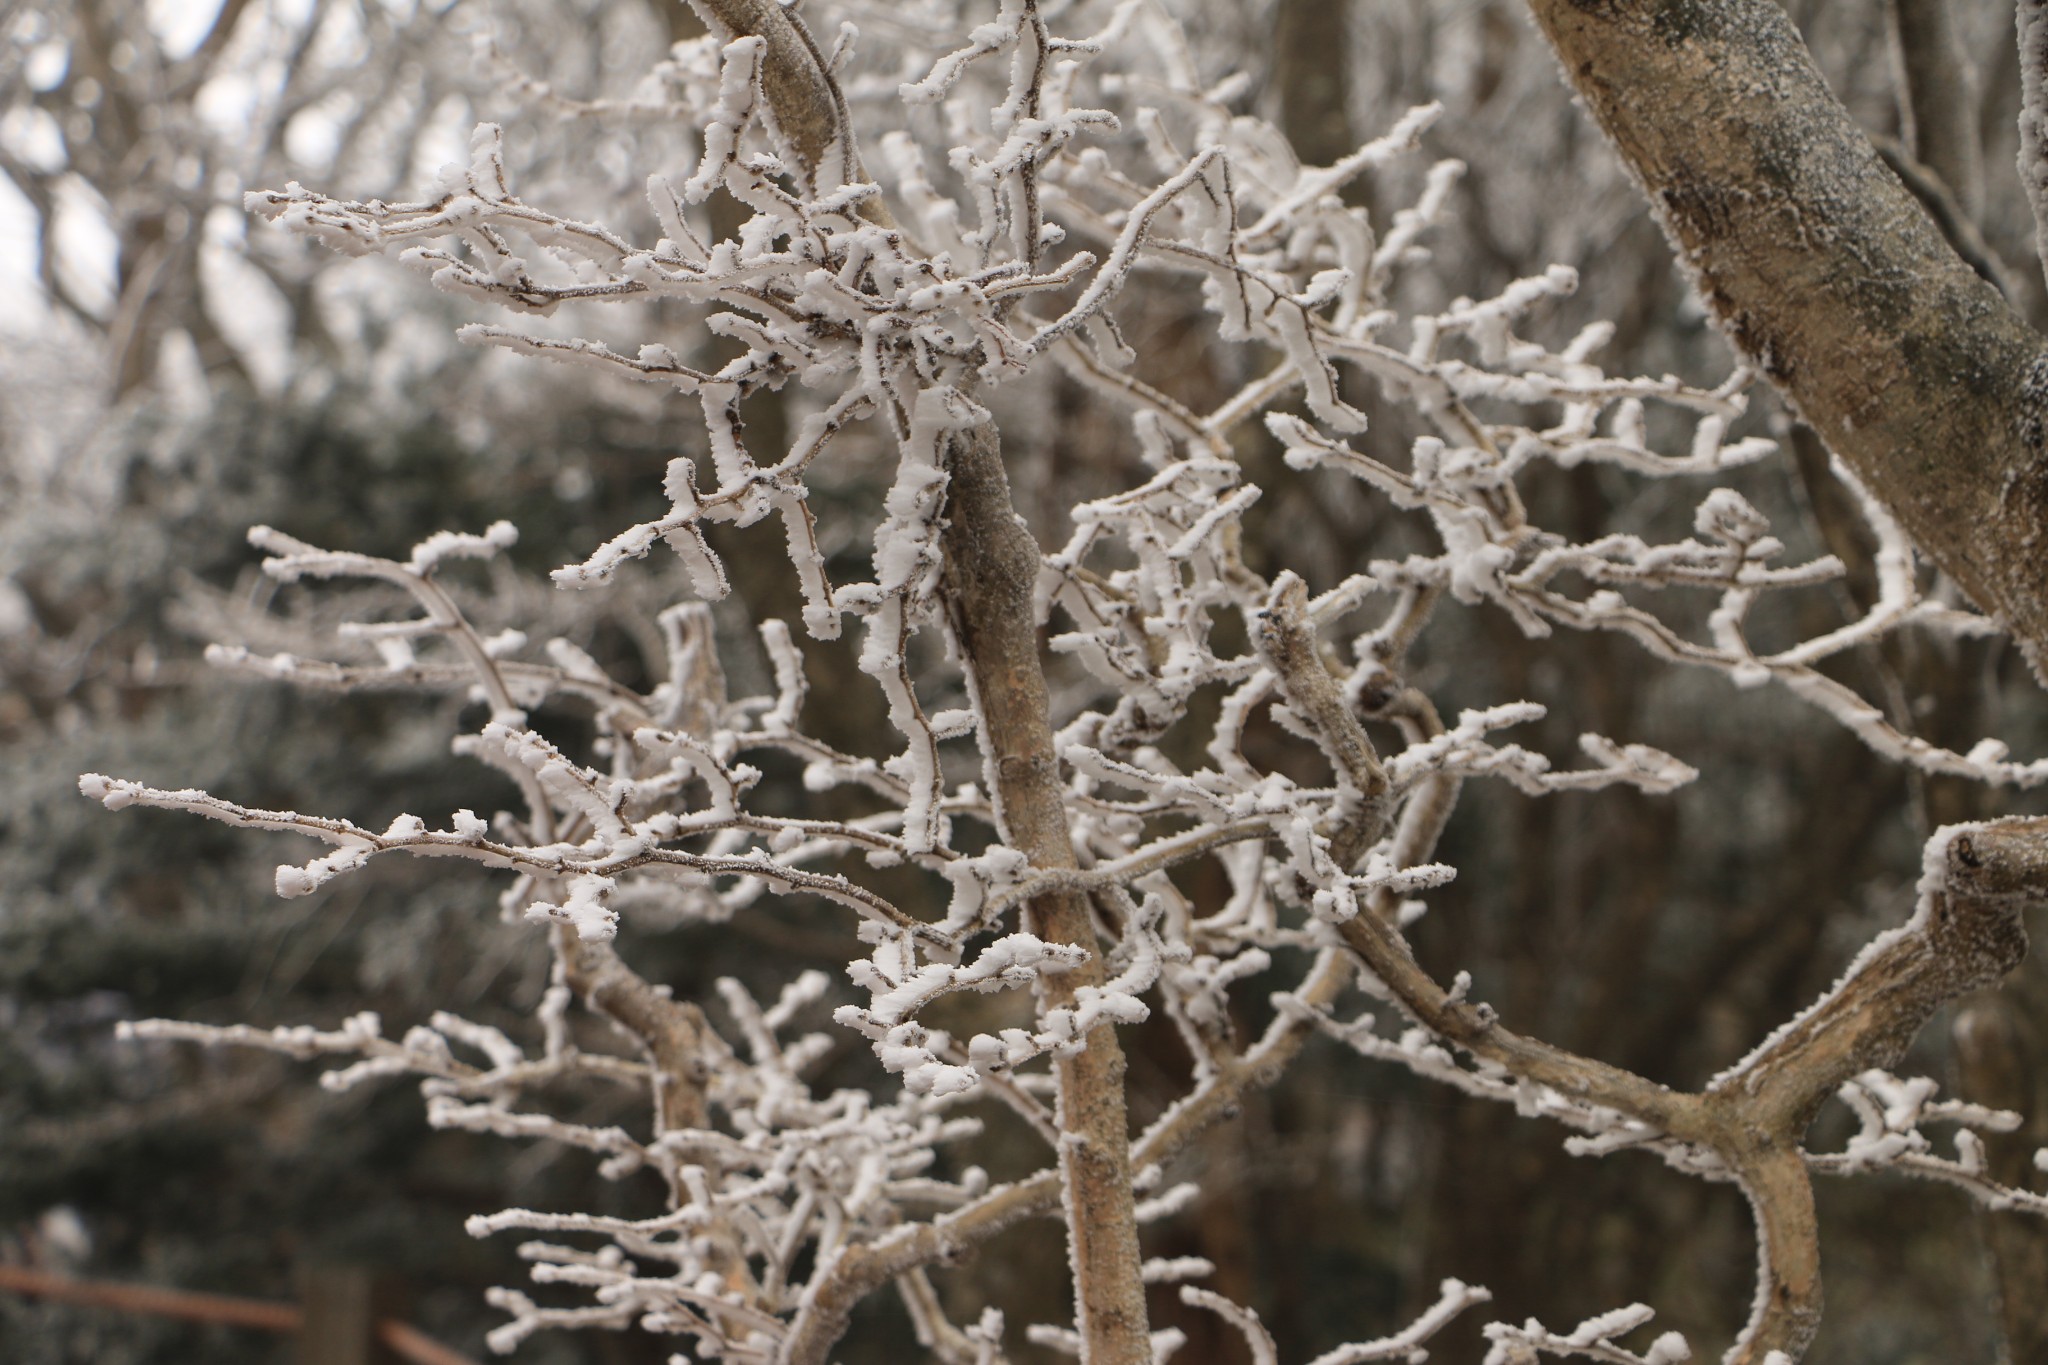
(172, 377)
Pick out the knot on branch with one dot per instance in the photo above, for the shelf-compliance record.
(1966, 933)
(2000, 860)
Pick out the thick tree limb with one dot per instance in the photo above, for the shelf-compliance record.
(1949, 215)
(1961, 943)
(682, 1048)
(809, 111)
(1967, 934)
(1825, 272)
(991, 569)
(1786, 1312)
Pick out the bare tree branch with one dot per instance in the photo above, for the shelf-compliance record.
(990, 581)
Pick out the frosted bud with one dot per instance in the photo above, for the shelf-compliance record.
(1726, 515)
(1668, 1349)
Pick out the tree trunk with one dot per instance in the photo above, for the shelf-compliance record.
(1829, 277)
(991, 569)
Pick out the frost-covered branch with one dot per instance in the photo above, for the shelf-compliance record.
(1592, 1339)
(1889, 1113)
(1128, 776)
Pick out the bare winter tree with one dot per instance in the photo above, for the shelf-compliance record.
(1153, 772)
(132, 130)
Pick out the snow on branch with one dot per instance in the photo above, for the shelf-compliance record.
(1889, 1113)
(1593, 1339)
(1036, 841)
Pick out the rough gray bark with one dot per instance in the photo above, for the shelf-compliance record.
(1825, 272)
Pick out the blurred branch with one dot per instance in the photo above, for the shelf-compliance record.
(1999, 1061)
(1938, 98)
(405, 1341)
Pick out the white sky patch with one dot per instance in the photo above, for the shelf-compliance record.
(225, 102)
(245, 306)
(445, 139)
(46, 65)
(180, 26)
(181, 375)
(313, 137)
(32, 137)
(26, 307)
(86, 251)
